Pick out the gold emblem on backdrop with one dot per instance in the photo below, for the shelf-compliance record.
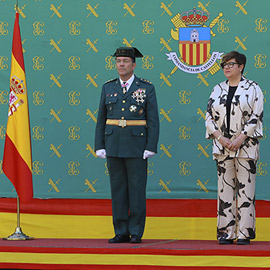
(37, 63)
(106, 169)
(129, 9)
(166, 8)
(203, 150)
(150, 171)
(37, 28)
(73, 100)
(92, 115)
(55, 150)
(147, 62)
(111, 64)
(91, 80)
(1, 163)
(54, 185)
(23, 41)
(55, 115)
(264, 94)
(73, 63)
(240, 43)
(259, 63)
(92, 45)
(3, 97)
(3, 65)
(264, 133)
(260, 27)
(73, 168)
(37, 100)
(111, 30)
(165, 115)
(36, 167)
(73, 135)
(147, 27)
(91, 151)
(165, 44)
(90, 186)
(56, 80)
(165, 150)
(56, 10)
(92, 10)
(55, 45)
(261, 168)
(165, 185)
(3, 30)
(202, 185)
(203, 79)
(37, 133)
(128, 43)
(222, 28)
(184, 171)
(203, 7)
(184, 135)
(74, 31)
(183, 97)
(201, 114)
(165, 79)
(241, 7)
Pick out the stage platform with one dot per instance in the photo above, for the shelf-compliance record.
(150, 254)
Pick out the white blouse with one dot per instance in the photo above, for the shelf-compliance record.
(246, 117)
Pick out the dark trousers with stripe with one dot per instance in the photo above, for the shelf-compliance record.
(128, 177)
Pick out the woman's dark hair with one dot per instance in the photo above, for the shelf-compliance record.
(239, 58)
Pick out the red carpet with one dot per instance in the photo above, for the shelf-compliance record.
(151, 254)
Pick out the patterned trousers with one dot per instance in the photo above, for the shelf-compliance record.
(236, 198)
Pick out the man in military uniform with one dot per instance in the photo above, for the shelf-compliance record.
(127, 134)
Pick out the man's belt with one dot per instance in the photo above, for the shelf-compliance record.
(123, 123)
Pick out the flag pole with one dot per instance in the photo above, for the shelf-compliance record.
(18, 234)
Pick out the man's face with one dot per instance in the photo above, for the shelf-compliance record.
(125, 67)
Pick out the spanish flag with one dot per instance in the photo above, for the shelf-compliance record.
(17, 161)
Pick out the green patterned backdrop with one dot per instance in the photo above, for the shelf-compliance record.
(67, 47)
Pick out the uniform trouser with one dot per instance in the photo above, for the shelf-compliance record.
(236, 198)
(128, 189)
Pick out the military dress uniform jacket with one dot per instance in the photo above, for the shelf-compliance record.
(246, 117)
(139, 103)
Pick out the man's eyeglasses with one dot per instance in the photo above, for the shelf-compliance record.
(228, 64)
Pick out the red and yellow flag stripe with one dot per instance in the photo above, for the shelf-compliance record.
(17, 161)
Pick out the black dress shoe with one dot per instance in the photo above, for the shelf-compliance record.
(119, 238)
(135, 239)
(224, 241)
(243, 242)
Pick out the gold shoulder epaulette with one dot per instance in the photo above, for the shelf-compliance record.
(110, 80)
(145, 81)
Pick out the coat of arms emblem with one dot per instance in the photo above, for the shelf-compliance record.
(194, 39)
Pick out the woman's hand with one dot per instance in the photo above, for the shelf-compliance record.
(225, 142)
(236, 143)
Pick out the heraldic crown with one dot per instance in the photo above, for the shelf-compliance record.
(194, 17)
(17, 85)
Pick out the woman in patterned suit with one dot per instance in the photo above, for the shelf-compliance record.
(234, 122)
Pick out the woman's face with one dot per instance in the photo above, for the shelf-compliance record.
(232, 69)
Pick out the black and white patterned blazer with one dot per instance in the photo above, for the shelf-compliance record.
(246, 117)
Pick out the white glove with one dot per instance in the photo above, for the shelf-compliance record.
(101, 153)
(148, 154)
